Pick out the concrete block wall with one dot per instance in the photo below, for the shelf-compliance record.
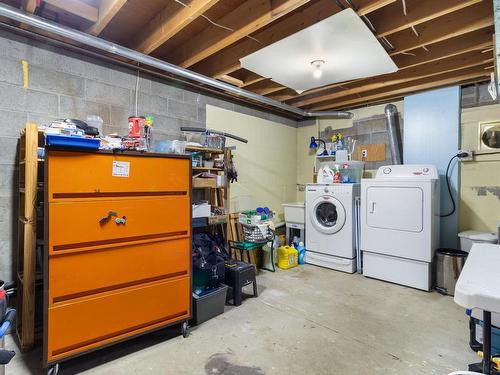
(64, 84)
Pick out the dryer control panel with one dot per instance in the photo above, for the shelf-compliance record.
(425, 172)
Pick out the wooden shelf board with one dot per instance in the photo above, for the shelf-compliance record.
(204, 149)
(207, 169)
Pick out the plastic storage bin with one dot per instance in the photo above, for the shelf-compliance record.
(476, 337)
(288, 257)
(470, 237)
(76, 142)
(209, 305)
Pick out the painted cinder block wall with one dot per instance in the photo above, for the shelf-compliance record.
(63, 84)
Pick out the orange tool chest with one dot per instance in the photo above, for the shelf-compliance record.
(117, 248)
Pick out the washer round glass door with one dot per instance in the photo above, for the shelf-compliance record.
(328, 215)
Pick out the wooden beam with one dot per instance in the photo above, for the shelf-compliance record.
(76, 7)
(425, 71)
(474, 41)
(253, 80)
(29, 5)
(107, 11)
(369, 6)
(459, 23)
(427, 83)
(233, 81)
(246, 19)
(283, 95)
(172, 19)
(265, 87)
(393, 20)
(228, 60)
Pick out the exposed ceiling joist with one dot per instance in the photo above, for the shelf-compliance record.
(452, 25)
(172, 19)
(248, 18)
(368, 6)
(107, 10)
(265, 87)
(411, 87)
(228, 60)
(425, 71)
(422, 11)
(29, 5)
(473, 41)
(76, 7)
(233, 81)
(253, 80)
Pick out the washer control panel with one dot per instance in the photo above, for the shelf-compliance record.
(408, 171)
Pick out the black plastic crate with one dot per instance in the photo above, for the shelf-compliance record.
(209, 305)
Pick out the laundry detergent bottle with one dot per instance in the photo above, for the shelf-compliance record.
(302, 253)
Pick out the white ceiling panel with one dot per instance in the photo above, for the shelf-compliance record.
(345, 44)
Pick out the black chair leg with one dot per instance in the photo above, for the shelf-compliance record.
(255, 291)
(237, 296)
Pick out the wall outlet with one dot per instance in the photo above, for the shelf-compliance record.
(364, 153)
(469, 157)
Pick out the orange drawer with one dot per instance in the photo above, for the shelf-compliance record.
(75, 175)
(89, 323)
(85, 273)
(77, 226)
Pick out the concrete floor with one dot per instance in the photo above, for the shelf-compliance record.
(307, 320)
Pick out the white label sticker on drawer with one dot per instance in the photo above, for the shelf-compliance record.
(121, 169)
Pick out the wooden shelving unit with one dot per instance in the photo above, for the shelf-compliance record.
(30, 231)
(218, 196)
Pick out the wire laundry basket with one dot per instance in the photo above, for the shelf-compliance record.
(257, 233)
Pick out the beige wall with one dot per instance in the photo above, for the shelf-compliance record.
(267, 173)
(479, 210)
(277, 157)
(305, 159)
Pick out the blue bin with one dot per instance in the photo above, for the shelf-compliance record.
(73, 142)
(476, 336)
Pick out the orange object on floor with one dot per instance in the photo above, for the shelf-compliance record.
(117, 248)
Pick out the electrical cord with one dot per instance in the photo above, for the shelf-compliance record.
(448, 185)
(459, 155)
(454, 206)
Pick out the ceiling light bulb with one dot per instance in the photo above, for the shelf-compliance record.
(317, 72)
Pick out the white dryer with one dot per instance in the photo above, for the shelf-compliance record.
(400, 224)
(330, 227)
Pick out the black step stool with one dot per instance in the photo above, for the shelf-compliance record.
(238, 275)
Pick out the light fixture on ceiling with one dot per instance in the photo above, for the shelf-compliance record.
(317, 64)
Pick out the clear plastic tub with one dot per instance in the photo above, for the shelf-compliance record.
(350, 171)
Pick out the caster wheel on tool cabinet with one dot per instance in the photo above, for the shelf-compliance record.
(53, 370)
(185, 329)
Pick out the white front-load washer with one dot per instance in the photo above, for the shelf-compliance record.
(330, 227)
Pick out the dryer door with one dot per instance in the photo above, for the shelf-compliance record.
(327, 215)
(396, 208)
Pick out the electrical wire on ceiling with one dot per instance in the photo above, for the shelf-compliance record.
(409, 54)
(425, 48)
(415, 31)
(404, 6)
(387, 45)
(215, 23)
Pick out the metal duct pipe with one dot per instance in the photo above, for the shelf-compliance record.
(101, 44)
(391, 113)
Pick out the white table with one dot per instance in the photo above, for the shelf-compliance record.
(478, 286)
